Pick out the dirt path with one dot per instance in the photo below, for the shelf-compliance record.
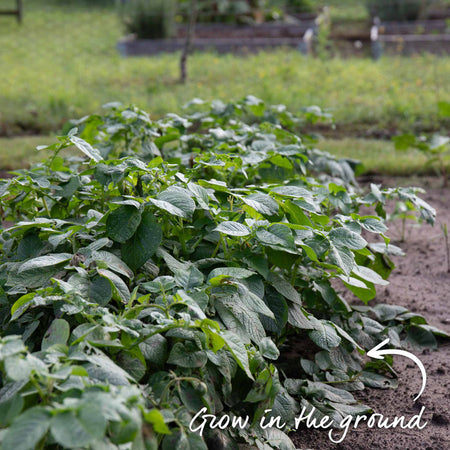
(422, 284)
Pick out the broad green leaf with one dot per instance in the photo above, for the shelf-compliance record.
(242, 316)
(175, 201)
(343, 258)
(232, 272)
(99, 290)
(191, 397)
(104, 369)
(233, 229)
(75, 429)
(143, 243)
(277, 235)
(27, 430)
(42, 262)
(345, 238)
(189, 279)
(293, 191)
(324, 335)
(9, 409)
(375, 225)
(22, 301)
(181, 356)
(155, 350)
(117, 283)
(237, 348)
(376, 380)
(279, 307)
(262, 203)
(57, 333)
(284, 288)
(122, 223)
(155, 417)
(297, 318)
(113, 262)
(268, 349)
(86, 148)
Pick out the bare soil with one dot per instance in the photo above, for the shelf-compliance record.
(420, 283)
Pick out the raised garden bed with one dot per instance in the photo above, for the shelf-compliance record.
(223, 38)
(396, 38)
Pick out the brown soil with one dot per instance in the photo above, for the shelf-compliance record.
(422, 284)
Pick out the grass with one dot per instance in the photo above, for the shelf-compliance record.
(379, 157)
(62, 63)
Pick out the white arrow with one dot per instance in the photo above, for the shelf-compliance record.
(378, 354)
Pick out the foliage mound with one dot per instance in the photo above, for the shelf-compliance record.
(163, 270)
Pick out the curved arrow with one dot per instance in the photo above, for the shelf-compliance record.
(377, 353)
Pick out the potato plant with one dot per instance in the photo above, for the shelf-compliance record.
(166, 267)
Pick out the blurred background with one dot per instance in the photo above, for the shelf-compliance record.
(63, 59)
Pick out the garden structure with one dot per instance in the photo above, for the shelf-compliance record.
(18, 12)
(302, 31)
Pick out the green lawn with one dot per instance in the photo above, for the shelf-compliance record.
(62, 63)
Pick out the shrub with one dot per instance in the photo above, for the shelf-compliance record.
(149, 19)
(400, 10)
(163, 271)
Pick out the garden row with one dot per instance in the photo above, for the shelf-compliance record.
(161, 272)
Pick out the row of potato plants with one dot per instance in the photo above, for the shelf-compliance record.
(162, 268)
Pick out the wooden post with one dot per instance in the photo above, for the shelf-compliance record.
(188, 42)
(375, 41)
(19, 11)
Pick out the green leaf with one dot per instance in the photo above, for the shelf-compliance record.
(102, 368)
(27, 430)
(22, 301)
(233, 229)
(144, 242)
(230, 272)
(86, 148)
(268, 349)
(343, 258)
(57, 333)
(277, 235)
(100, 290)
(284, 288)
(9, 409)
(279, 307)
(183, 357)
(345, 238)
(189, 279)
(155, 350)
(375, 225)
(262, 203)
(42, 262)
(122, 223)
(324, 335)
(175, 201)
(155, 417)
(420, 337)
(191, 397)
(376, 380)
(237, 348)
(117, 283)
(75, 429)
(113, 262)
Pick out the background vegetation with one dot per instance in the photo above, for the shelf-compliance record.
(62, 62)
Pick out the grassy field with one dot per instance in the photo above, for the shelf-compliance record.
(62, 63)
